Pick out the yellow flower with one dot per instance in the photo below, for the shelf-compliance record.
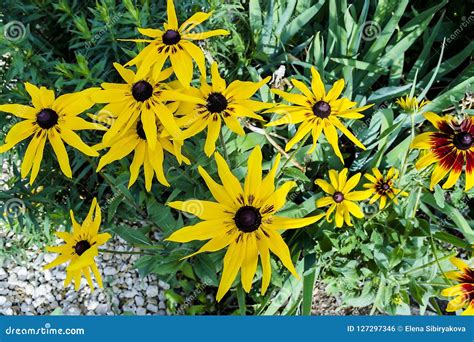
(463, 292)
(383, 187)
(152, 160)
(80, 249)
(342, 199)
(175, 43)
(411, 104)
(141, 98)
(53, 119)
(244, 220)
(317, 112)
(210, 104)
(449, 148)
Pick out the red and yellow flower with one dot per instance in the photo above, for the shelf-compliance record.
(464, 291)
(450, 148)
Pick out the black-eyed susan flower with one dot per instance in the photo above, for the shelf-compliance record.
(151, 160)
(410, 104)
(140, 98)
(317, 112)
(243, 220)
(174, 42)
(211, 104)
(80, 249)
(450, 148)
(342, 200)
(464, 291)
(52, 119)
(383, 187)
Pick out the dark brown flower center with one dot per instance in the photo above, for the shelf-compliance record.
(216, 103)
(171, 37)
(338, 197)
(462, 140)
(385, 186)
(140, 131)
(248, 219)
(81, 247)
(321, 109)
(142, 91)
(47, 118)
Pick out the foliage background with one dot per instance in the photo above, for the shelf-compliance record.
(383, 49)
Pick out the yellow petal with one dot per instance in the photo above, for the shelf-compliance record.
(266, 265)
(317, 85)
(331, 135)
(358, 195)
(280, 249)
(277, 200)
(335, 91)
(422, 141)
(438, 174)
(327, 188)
(218, 83)
(294, 223)
(20, 132)
(60, 151)
(205, 210)
(351, 183)
(217, 190)
(230, 182)
(37, 159)
(21, 111)
(172, 20)
(75, 141)
(213, 129)
(254, 174)
(182, 64)
(232, 262)
(196, 19)
(249, 262)
(137, 162)
(35, 95)
(205, 35)
(216, 243)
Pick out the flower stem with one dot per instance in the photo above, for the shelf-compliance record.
(412, 135)
(224, 148)
(292, 155)
(123, 252)
(241, 300)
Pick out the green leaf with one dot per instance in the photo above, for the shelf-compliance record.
(293, 172)
(439, 196)
(300, 21)
(255, 16)
(205, 269)
(132, 236)
(395, 257)
(309, 277)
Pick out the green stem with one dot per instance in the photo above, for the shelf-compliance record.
(292, 155)
(123, 252)
(111, 183)
(241, 300)
(429, 263)
(224, 148)
(412, 137)
(433, 250)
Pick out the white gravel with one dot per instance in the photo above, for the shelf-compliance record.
(25, 289)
